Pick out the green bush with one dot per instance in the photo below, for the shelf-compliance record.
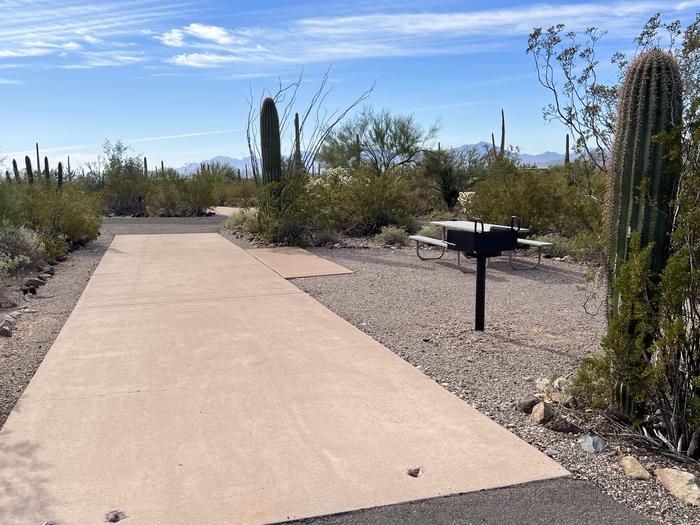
(392, 236)
(242, 220)
(20, 245)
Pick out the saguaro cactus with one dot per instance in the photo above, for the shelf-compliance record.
(15, 170)
(7, 176)
(643, 179)
(38, 159)
(145, 166)
(567, 158)
(28, 168)
(59, 177)
(47, 173)
(270, 148)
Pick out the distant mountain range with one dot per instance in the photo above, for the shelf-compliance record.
(541, 160)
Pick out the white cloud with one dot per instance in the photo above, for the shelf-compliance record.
(215, 34)
(10, 82)
(172, 38)
(184, 135)
(91, 39)
(203, 59)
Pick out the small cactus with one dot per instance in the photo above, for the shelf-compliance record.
(7, 176)
(270, 148)
(297, 144)
(28, 169)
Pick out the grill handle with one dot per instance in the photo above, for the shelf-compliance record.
(515, 223)
(478, 221)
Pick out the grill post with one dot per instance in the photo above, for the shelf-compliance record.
(480, 293)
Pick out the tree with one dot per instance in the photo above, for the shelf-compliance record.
(454, 171)
(380, 139)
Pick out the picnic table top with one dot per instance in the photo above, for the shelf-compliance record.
(468, 226)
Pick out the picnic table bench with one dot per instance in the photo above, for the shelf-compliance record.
(529, 243)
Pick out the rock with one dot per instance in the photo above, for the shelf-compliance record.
(29, 289)
(414, 472)
(541, 413)
(683, 485)
(559, 424)
(694, 447)
(9, 320)
(5, 330)
(34, 282)
(551, 452)
(30, 311)
(16, 314)
(592, 444)
(542, 384)
(633, 468)
(527, 403)
(50, 270)
(46, 276)
(41, 277)
(560, 397)
(62, 258)
(114, 516)
(426, 339)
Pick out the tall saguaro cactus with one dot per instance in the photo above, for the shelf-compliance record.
(643, 179)
(15, 170)
(28, 168)
(270, 147)
(47, 172)
(145, 166)
(59, 176)
(567, 157)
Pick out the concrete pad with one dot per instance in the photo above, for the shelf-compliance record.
(249, 407)
(291, 262)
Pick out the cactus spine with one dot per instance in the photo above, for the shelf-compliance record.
(567, 158)
(15, 170)
(47, 173)
(643, 179)
(59, 176)
(270, 148)
(297, 144)
(28, 168)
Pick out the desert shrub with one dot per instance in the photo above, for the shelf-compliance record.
(392, 236)
(239, 193)
(243, 220)
(431, 230)
(19, 244)
(547, 201)
(10, 264)
(166, 197)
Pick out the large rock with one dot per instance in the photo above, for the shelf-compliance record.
(541, 413)
(683, 485)
(527, 403)
(633, 468)
(592, 444)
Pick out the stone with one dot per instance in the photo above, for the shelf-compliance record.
(633, 468)
(50, 270)
(16, 314)
(114, 516)
(414, 472)
(542, 384)
(45, 276)
(551, 452)
(8, 319)
(30, 311)
(29, 289)
(560, 397)
(560, 424)
(592, 444)
(527, 403)
(694, 447)
(683, 485)
(5, 330)
(34, 282)
(541, 413)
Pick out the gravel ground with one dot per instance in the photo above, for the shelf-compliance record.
(536, 328)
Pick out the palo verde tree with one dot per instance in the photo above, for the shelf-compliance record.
(383, 141)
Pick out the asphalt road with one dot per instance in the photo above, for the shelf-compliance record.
(560, 501)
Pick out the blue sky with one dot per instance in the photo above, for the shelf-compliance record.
(171, 78)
